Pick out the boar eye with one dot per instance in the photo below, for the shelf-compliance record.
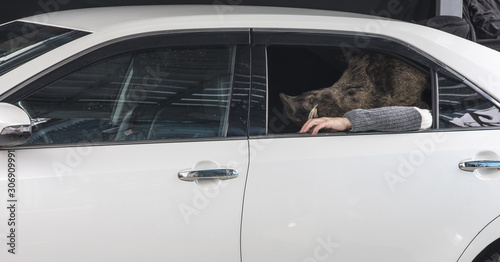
(353, 89)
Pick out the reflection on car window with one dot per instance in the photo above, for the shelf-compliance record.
(147, 95)
(21, 42)
(462, 106)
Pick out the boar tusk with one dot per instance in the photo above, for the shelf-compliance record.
(313, 113)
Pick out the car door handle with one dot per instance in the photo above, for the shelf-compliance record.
(223, 173)
(471, 165)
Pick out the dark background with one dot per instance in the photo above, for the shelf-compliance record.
(412, 10)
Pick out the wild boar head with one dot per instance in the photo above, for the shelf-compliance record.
(371, 80)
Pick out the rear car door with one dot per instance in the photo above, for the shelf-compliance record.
(369, 196)
(139, 152)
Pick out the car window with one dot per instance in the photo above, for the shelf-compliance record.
(161, 93)
(321, 81)
(463, 106)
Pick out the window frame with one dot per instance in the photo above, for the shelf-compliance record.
(265, 37)
(239, 93)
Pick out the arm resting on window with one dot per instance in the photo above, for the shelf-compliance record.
(394, 118)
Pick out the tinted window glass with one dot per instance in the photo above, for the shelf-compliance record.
(151, 94)
(462, 106)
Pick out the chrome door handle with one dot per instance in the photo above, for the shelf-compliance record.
(471, 165)
(223, 173)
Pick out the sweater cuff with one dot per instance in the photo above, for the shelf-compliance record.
(426, 118)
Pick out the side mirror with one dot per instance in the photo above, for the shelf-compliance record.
(15, 125)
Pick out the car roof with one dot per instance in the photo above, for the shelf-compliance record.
(97, 19)
(110, 23)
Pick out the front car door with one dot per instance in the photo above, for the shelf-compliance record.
(369, 196)
(122, 140)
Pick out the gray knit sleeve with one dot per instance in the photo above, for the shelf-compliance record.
(394, 118)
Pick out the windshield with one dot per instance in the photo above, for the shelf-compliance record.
(21, 42)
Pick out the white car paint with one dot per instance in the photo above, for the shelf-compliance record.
(124, 203)
(382, 197)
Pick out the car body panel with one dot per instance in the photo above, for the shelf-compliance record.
(374, 197)
(72, 205)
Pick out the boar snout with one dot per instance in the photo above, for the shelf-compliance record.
(288, 104)
(298, 108)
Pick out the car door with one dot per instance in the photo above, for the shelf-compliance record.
(138, 153)
(369, 196)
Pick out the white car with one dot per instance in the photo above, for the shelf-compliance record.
(157, 134)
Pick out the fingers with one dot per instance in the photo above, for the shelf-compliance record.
(332, 123)
(305, 128)
(318, 127)
(310, 124)
(315, 124)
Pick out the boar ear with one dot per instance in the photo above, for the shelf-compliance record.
(288, 104)
(378, 71)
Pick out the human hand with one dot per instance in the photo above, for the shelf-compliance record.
(331, 123)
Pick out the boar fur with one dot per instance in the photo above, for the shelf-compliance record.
(371, 80)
